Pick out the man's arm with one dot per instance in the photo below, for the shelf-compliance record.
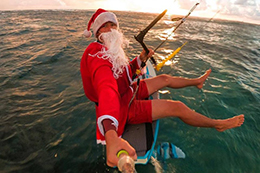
(108, 104)
(136, 62)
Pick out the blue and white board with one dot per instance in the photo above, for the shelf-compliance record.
(143, 136)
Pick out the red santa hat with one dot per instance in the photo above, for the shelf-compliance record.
(99, 18)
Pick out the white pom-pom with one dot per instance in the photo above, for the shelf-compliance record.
(87, 33)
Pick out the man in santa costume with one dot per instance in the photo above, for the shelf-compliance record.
(107, 80)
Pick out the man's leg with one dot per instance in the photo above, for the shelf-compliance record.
(158, 82)
(169, 108)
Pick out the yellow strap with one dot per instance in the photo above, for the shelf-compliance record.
(121, 152)
(138, 71)
(159, 66)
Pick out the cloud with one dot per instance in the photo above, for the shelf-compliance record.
(61, 2)
(30, 4)
(242, 10)
(239, 9)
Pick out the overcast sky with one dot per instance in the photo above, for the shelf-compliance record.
(241, 10)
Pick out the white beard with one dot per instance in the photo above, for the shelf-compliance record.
(115, 42)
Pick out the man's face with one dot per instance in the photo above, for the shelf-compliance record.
(106, 28)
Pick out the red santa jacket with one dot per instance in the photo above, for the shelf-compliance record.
(110, 95)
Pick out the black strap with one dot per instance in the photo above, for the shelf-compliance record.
(149, 135)
(170, 148)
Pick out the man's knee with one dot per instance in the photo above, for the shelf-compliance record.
(179, 107)
(165, 78)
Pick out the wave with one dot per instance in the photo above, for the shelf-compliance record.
(47, 122)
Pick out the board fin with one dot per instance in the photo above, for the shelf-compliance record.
(168, 150)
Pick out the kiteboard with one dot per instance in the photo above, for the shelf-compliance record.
(143, 136)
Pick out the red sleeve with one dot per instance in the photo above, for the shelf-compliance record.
(107, 90)
(134, 64)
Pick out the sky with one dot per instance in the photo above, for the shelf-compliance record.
(239, 10)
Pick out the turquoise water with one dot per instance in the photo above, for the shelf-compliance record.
(48, 125)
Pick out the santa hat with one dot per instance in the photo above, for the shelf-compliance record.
(99, 18)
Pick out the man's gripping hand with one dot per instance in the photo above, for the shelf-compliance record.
(113, 145)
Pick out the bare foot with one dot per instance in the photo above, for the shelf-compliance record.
(230, 123)
(203, 78)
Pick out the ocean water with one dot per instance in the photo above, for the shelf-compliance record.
(48, 125)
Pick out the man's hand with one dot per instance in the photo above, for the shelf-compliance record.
(115, 144)
(143, 56)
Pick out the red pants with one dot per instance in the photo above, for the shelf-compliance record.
(140, 110)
